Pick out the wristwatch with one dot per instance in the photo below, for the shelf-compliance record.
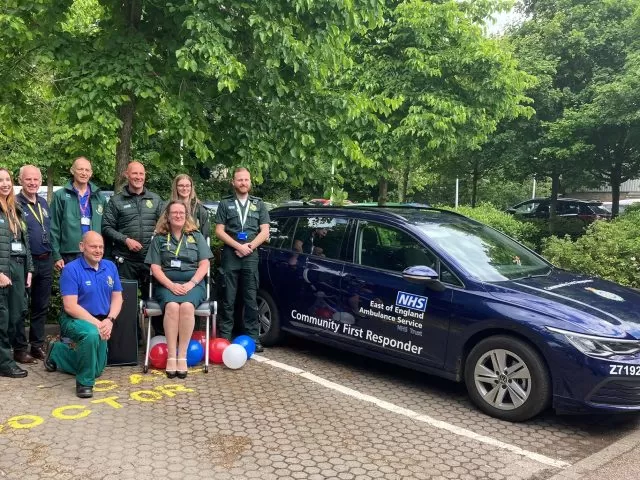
(113, 320)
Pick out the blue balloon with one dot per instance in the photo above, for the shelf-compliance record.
(247, 342)
(195, 353)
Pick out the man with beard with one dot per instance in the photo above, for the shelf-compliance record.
(242, 223)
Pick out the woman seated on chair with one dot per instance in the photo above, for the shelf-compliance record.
(179, 259)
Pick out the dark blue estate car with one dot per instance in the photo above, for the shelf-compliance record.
(436, 291)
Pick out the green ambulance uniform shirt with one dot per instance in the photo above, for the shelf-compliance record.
(229, 214)
(191, 249)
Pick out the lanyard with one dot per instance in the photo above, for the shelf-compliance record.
(243, 218)
(39, 219)
(169, 244)
(85, 209)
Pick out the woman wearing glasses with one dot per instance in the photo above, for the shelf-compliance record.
(179, 260)
(183, 190)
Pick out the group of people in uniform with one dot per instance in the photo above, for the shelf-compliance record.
(96, 243)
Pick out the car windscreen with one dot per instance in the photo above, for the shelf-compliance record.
(599, 209)
(484, 253)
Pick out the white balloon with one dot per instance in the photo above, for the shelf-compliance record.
(234, 356)
(156, 340)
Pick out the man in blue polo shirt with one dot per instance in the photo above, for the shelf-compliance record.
(92, 299)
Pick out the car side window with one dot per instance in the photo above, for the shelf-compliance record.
(568, 208)
(527, 207)
(320, 235)
(281, 232)
(382, 246)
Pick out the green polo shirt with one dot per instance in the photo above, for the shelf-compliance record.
(166, 250)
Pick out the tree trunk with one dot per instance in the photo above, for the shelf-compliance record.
(383, 186)
(123, 150)
(405, 182)
(131, 16)
(615, 181)
(474, 184)
(50, 172)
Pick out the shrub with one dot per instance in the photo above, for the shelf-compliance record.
(610, 250)
(525, 232)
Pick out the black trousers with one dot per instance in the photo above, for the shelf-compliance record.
(70, 257)
(39, 296)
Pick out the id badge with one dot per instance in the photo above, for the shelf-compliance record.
(85, 221)
(176, 263)
(16, 247)
(242, 236)
(45, 237)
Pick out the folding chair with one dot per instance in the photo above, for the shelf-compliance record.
(207, 309)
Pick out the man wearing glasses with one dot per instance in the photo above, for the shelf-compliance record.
(76, 209)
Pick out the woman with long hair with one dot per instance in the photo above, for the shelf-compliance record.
(16, 268)
(184, 191)
(179, 259)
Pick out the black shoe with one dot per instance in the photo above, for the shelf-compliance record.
(182, 374)
(38, 353)
(259, 347)
(49, 365)
(83, 391)
(22, 356)
(14, 372)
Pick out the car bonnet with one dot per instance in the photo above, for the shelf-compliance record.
(582, 303)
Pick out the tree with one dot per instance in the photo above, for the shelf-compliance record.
(579, 51)
(202, 82)
(438, 86)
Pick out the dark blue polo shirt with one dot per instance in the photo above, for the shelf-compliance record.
(93, 287)
(34, 227)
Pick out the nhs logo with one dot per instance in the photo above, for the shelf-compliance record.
(409, 300)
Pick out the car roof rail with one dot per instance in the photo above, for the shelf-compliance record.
(386, 208)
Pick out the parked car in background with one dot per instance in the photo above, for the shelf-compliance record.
(433, 290)
(212, 206)
(107, 194)
(622, 205)
(586, 211)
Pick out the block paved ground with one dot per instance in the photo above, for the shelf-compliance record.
(317, 414)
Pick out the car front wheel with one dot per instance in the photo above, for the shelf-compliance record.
(507, 379)
(268, 319)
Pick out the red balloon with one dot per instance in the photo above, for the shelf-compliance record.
(200, 337)
(158, 355)
(216, 347)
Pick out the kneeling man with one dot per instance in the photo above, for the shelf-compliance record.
(92, 299)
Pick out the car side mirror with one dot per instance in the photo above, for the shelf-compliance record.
(423, 274)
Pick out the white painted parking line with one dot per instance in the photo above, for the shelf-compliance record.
(391, 407)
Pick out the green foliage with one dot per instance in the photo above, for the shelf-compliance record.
(610, 250)
(438, 86)
(244, 83)
(585, 131)
(486, 213)
(632, 209)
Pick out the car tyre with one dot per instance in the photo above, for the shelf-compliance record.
(268, 318)
(507, 378)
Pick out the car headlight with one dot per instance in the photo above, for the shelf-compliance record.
(601, 347)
